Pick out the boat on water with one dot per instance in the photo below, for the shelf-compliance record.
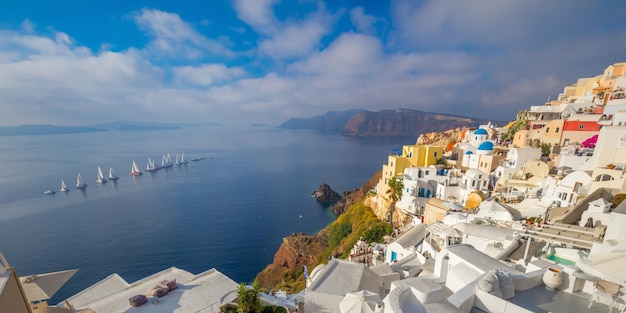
(111, 175)
(63, 187)
(168, 161)
(177, 162)
(150, 167)
(165, 163)
(134, 171)
(49, 192)
(101, 179)
(182, 159)
(79, 182)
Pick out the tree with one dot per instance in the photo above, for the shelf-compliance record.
(248, 300)
(545, 148)
(395, 193)
(520, 124)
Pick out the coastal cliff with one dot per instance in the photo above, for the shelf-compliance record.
(400, 122)
(300, 249)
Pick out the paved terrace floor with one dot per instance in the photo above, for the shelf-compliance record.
(541, 300)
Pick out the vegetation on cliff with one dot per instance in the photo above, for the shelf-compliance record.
(337, 240)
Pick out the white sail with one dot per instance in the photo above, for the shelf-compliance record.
(79, 182)
(135, 169)
(163, 161)
(63, 187)
(177, 160)
(182, 159)
(150, 166)
(111, 175)
(100, 179)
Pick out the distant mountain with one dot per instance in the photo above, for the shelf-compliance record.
(400, 122)
(333, 121)
(142, 126)
(42, 129)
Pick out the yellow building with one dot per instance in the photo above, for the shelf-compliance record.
(552, 132)
(412, 155)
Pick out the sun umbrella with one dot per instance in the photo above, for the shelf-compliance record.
(44, 286)
(609, 265)
(363, 301)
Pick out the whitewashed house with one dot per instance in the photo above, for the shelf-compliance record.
(564, 192)
(420, 184)
(515, 160)
(406, 245)
(471, 181)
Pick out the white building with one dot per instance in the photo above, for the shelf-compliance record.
(515, 160)
(471, 181)
(405, 245)
(331, 282)
(564, 192)
(420, 184)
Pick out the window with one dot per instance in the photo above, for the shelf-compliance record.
(604, 177)
(557, 130)
(435, 154)
(473, 183)
(581, 126)
(547, 130)
(426, 172)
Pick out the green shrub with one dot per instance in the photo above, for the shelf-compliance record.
(337, 233)
(376, 232)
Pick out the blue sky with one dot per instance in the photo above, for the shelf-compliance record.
(264, 61)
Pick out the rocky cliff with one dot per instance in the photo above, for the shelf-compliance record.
(353, 196)
(400, 122)
(299, 249)
(443, 138)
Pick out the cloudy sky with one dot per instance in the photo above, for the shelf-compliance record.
(263, 61)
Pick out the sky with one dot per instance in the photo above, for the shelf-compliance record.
(77, 62)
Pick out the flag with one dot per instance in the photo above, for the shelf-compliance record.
(306, 273)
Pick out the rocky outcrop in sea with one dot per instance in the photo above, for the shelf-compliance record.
(325, 194)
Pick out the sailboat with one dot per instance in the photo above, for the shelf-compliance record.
(182, 159)
(79, 182)
(177, 162)
(150, 167)
(100, 179)
(165, 163)
(168, 161)
(134, 171)
(111, 175)
(63, 187)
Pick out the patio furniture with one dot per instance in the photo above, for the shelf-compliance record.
(606, 290)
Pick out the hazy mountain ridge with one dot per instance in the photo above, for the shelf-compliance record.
(332, 121)
(45, 129)
(400, 122)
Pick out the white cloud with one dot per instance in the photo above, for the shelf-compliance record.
(206, 74)
(52, 82)
(284, 39)
(364, 23)
(297, 39)
(441, 58)
(173, 37)
(258, 14)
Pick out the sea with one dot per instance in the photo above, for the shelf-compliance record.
(229, 209)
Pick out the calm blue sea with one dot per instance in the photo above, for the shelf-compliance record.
(229, 211)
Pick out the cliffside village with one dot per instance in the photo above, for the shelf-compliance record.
(489, 220)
